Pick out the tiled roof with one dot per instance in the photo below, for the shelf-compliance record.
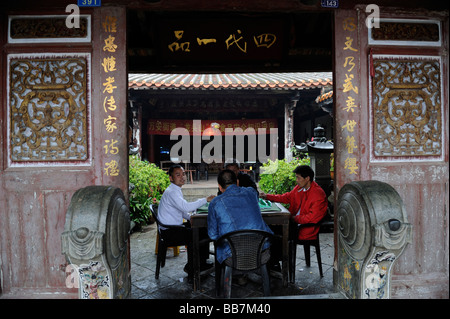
(276, 81)
(324, 97)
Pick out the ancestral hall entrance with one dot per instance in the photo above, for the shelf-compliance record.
(390, 91)
(266, 114)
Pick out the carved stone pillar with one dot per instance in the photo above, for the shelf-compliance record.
(95, 242)
(372, 233)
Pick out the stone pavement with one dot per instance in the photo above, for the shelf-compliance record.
(173, 283)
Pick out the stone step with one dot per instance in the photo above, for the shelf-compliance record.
(336, 295)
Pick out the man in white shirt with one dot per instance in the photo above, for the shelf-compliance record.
(173, 208)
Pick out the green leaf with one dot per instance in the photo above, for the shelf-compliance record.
(277, 176)
(150, 183)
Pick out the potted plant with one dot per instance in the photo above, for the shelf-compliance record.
(277, 176)
(148, 182)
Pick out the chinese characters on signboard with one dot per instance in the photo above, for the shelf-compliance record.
(166, 126)
(110, 148)
(221, 40)
(236, 39)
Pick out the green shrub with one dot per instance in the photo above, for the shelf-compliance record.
(277, 176)
(149, 183)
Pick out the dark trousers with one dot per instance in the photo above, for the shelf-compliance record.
(184, 237)
(277, 239)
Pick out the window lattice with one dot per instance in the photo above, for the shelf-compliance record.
(406, 99)
(48, 109)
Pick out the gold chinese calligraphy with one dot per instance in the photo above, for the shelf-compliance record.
(109, 25)
(351, 91)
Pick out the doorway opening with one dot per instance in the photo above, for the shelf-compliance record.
(211, 67)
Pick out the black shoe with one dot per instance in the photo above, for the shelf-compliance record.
(204, 266)
(207, 265)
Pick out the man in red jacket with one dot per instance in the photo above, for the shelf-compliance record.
(308, 202)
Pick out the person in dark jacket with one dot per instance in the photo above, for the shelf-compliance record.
(245, 180)
(237, 208)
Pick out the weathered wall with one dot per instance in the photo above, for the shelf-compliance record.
(35, 192)
(420, 177)
(34, 198)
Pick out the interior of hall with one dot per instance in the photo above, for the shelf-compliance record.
(304, 45)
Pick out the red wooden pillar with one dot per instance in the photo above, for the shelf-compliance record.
(110, 87)
(348, 92)
(419, 175)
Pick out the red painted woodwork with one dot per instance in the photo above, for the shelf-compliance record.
(34, 200)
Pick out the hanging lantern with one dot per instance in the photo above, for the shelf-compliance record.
(211, 130)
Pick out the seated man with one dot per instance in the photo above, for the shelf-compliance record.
(308, 202)
(244, 180)
(173, 208)
(237, 208)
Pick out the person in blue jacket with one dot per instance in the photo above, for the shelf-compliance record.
(237, 208)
